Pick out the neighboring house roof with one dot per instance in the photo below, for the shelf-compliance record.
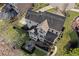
(54, 21)
(50, 37)
(9, 9)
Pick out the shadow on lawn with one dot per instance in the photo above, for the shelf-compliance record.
(73, 43)
(23, 37)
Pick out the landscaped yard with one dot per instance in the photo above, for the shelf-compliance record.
(16, 37)
(68, 35)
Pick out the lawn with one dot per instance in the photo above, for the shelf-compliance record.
(68, 35)
(39, 5)
(39, 52)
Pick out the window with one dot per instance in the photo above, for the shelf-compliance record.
(56, 32)
(41, 36)
(29, 21)
(52, 30)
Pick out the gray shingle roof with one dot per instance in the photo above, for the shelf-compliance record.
(34, 16)
(9, 9)
(50, 37)
(54, 21)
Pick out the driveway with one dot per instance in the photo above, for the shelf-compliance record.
(76, 10)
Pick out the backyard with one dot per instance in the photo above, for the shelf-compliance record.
(16, 37)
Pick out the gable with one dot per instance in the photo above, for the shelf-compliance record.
(44, 25)
(55, 21)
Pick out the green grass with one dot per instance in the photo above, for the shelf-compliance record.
(68, 35)
(13, 36)
(39, 52)
(39, 5)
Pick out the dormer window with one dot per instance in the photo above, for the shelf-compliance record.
(56, 32)
(52, 31)
(41, 36)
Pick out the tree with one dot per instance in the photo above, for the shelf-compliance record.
(74, 52)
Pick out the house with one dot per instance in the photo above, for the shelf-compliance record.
(44, 28)
(9, 11)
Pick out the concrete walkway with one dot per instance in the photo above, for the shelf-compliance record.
(45, 8)
(53, 52)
